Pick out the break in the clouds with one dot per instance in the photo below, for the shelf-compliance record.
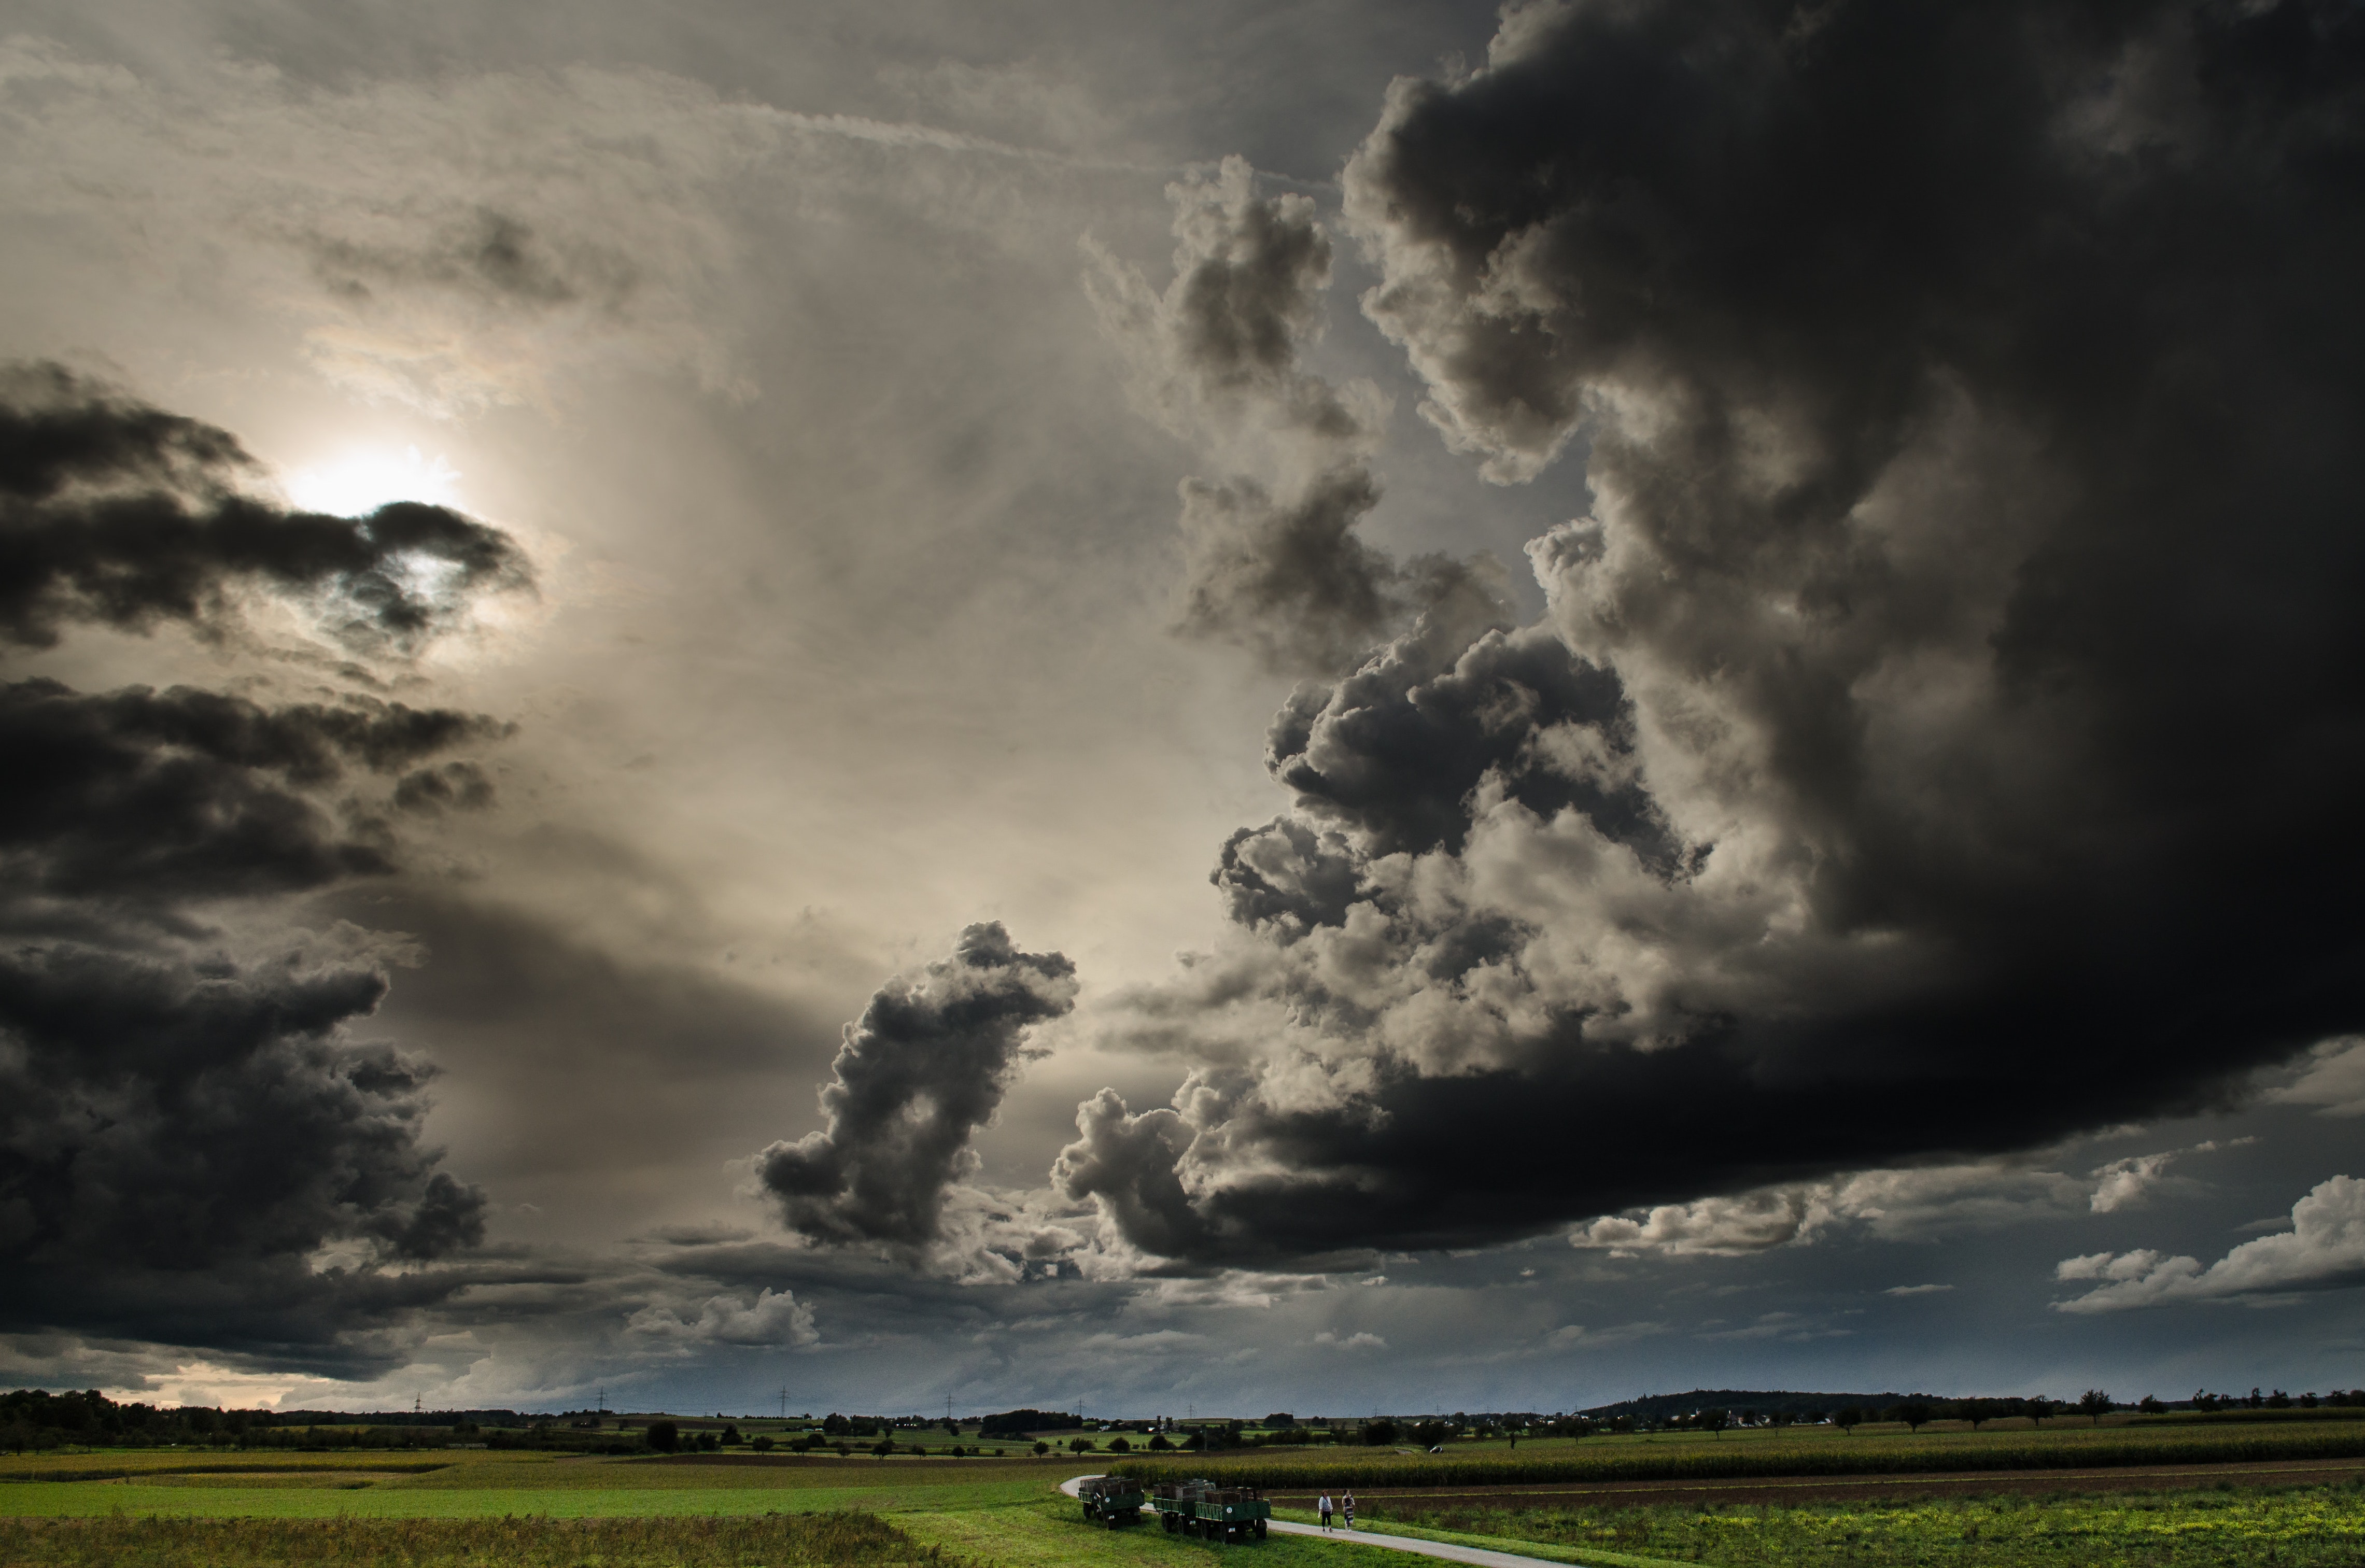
(1960, 631)
(198, 1147)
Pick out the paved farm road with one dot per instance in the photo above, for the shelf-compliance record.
(1479, 1555)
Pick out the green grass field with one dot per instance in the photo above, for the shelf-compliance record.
(260, 1510)
(465, 1485)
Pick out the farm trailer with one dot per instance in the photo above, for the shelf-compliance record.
(1220, 1514)
(1111, 1500)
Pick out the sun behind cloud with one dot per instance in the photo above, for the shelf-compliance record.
(362, 479)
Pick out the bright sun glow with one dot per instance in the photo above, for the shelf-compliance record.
(363, 481)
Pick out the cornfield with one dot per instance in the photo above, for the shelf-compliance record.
(1893, 1455)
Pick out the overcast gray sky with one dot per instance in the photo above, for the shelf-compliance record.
(1321, 706)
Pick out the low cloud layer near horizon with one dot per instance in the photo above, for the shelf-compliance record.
(1906, 802)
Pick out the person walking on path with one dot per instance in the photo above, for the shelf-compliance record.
(1325, 1506)
(1350, 1506)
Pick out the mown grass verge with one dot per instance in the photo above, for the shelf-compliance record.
(1824, 1456)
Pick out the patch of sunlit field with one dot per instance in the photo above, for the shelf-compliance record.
(834, 1540)
(2300, 1526)
(482, 1484)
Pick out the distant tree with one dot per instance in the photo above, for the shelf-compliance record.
(2149, 1405)
(1158, 1443)
(1378, 1434)
(1080, 1445)
(952, 1429)
(1119, 1445)
(1849, 1418)
(663, 1436)
(761, 1442)
(2278, 1400)
(2094, 1403)
(1041, 1448)
(1712, 1420)
(2307, 1400)
(730, 1437)
(1428, 1434)
(883, 1447)
(1912, 1412)
(2037, 1408)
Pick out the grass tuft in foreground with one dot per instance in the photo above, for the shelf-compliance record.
(844, 1539)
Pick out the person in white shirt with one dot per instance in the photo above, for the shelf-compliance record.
(1325, 1506)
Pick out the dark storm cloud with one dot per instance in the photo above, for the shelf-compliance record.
(193, 1150)
(1287, 579)
(178, 1138)
(453, 786)
(116, 513)
(1958, 698)
(923, 1069)
(149, 798)
(1394, 751)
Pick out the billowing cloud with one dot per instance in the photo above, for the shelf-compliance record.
(196, 1148)
(774, 1319)
(2333, 1078)
(146, 798)
(2324, 1249)
(1958, 632)
(116, 513)
(924, 1068)
(1750, 1223)
(180, 1140)
(1273, 559)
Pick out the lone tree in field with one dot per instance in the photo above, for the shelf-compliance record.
(1912, 1412)
(2093, 1403)
(1848, 1419)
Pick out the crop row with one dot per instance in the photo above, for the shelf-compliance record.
(2124, 1446)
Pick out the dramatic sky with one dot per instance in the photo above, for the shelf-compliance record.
(1221, 706)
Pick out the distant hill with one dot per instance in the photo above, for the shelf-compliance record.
(1659, 1407)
